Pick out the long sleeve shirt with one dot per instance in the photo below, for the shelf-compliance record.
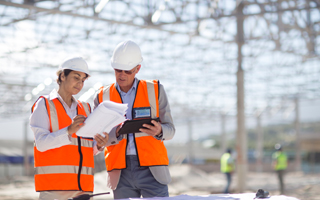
(168, 129)
(40, 125)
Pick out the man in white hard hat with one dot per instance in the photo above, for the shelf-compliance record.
(137, 163)
(63, 161)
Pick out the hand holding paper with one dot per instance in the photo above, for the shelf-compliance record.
(101, 140)
(77, 123)
(106, 116)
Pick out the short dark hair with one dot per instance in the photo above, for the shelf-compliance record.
(66, 73)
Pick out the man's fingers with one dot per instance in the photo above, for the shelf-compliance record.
(145, 130)
(101, 141)
(148, 131)
(106, 135)
(155, 125)
(155, 122)
(147, 126)
(152, 130)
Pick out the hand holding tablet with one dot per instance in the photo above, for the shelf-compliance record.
(133, 126)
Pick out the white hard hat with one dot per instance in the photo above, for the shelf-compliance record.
(75, 64)
(126, 56)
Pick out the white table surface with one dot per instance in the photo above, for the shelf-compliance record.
(243, 196)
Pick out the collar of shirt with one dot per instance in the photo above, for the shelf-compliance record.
(134, 86)
(54, 94)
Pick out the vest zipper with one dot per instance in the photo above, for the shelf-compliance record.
(125, 156)
(80, 162)
(135, 144)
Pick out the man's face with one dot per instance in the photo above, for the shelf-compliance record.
(125, 78)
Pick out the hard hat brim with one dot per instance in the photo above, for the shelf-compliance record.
(78, 70)
(124, 66)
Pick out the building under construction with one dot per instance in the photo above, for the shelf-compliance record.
(227, 66)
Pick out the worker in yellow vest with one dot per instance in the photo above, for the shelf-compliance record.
(137, 163)
(227, 167)
(63, 161)
(280, 163)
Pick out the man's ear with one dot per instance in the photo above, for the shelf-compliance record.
(138, 68)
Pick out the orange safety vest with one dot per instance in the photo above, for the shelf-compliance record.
(69, 167)
(151, 151)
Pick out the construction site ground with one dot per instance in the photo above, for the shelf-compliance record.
(190, 180)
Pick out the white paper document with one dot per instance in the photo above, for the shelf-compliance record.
(106, 116)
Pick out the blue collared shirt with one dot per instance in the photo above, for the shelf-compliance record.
(129, 98)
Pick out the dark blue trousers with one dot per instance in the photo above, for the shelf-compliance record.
(228, 176)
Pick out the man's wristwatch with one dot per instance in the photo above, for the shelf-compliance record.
(159, 136)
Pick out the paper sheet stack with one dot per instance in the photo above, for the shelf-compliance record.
(106, 116)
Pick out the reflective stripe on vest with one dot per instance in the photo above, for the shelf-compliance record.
(71, 166)
(151, 152)
(66, 169)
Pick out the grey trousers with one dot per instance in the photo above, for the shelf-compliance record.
(138, 181)
(280, 174)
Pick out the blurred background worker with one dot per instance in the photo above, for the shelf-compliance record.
(63, 161)
(137, 163)
(280, 163)
(227, 167)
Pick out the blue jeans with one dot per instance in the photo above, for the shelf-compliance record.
(228, 176)
(138, 181)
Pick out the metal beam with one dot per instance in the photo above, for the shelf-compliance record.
(69, 13)
(241, 144)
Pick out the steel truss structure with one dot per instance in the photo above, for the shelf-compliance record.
(209, 54)
(192, 48)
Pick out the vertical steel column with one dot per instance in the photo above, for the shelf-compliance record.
(190, 146)
(241, 145)
(259, 147)
(224, 139)
(25, 149)
(297, 127)
(311, 32)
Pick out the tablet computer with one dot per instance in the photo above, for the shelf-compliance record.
(133, 126)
